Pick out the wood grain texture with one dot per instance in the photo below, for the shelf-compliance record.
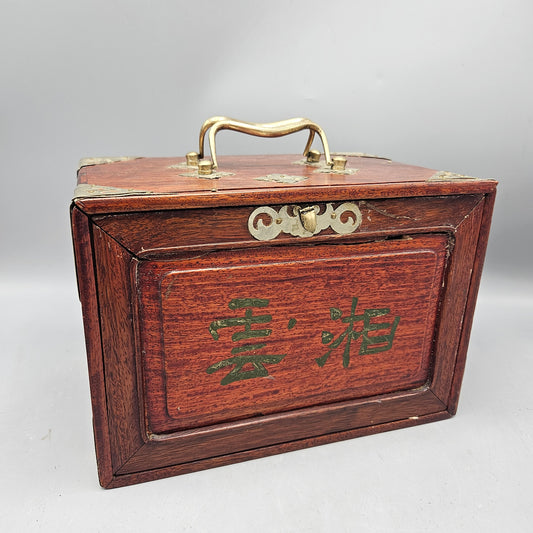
(253, 433)
(142, 476)
(299, 286)
(208, 229)
(113, 265)
(475, 278)
(83, 253)
(156, 270)
(454, 301)
(155, 184)
(168, 175)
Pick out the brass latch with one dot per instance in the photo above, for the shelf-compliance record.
(308, 218)
(266, 223)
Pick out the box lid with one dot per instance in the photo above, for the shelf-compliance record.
(129, 183)
(126, 184)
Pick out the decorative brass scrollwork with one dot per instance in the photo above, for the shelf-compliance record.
(266, 223)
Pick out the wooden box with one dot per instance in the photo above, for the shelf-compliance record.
(274, 304)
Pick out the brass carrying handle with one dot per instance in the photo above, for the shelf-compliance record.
(271, 129)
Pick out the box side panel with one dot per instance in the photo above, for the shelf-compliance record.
(118, 344)
(486, 207)
(454, 313)
(83, 252)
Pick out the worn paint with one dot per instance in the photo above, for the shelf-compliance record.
(239, 362)
(238, 373)
(370, 343)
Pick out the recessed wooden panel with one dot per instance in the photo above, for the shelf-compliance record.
(306, 326)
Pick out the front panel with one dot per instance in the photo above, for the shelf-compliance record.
(234, 335)
(207, 346)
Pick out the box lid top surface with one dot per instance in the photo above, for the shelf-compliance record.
(123, 184)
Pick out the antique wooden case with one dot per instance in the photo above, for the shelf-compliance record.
(275, 303)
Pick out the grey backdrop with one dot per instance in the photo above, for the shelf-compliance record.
(443, 84)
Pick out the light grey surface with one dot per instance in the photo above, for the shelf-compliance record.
(444, 84)
(470, 474)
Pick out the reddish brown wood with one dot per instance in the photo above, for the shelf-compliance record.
(207, 229)
(151, 184)
(82, 234)
(179, 300)
(112, 264)
(167, 175)
(256, 432)
(486, 217)
(273, 196)
(264, 451)
(157, 269)
(454, 301)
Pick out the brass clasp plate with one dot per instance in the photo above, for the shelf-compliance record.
(266, 223)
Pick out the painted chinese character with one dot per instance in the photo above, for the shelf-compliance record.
(251, 364)
(370, 343)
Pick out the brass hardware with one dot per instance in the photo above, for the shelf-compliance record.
(318, 168)
(281, 178)
(266, 223)
(308, 218)
(362, 154)
(192, 159)
(313, 156)
(272, 129)
(205, 167)
(339, 163)
(449, 176)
